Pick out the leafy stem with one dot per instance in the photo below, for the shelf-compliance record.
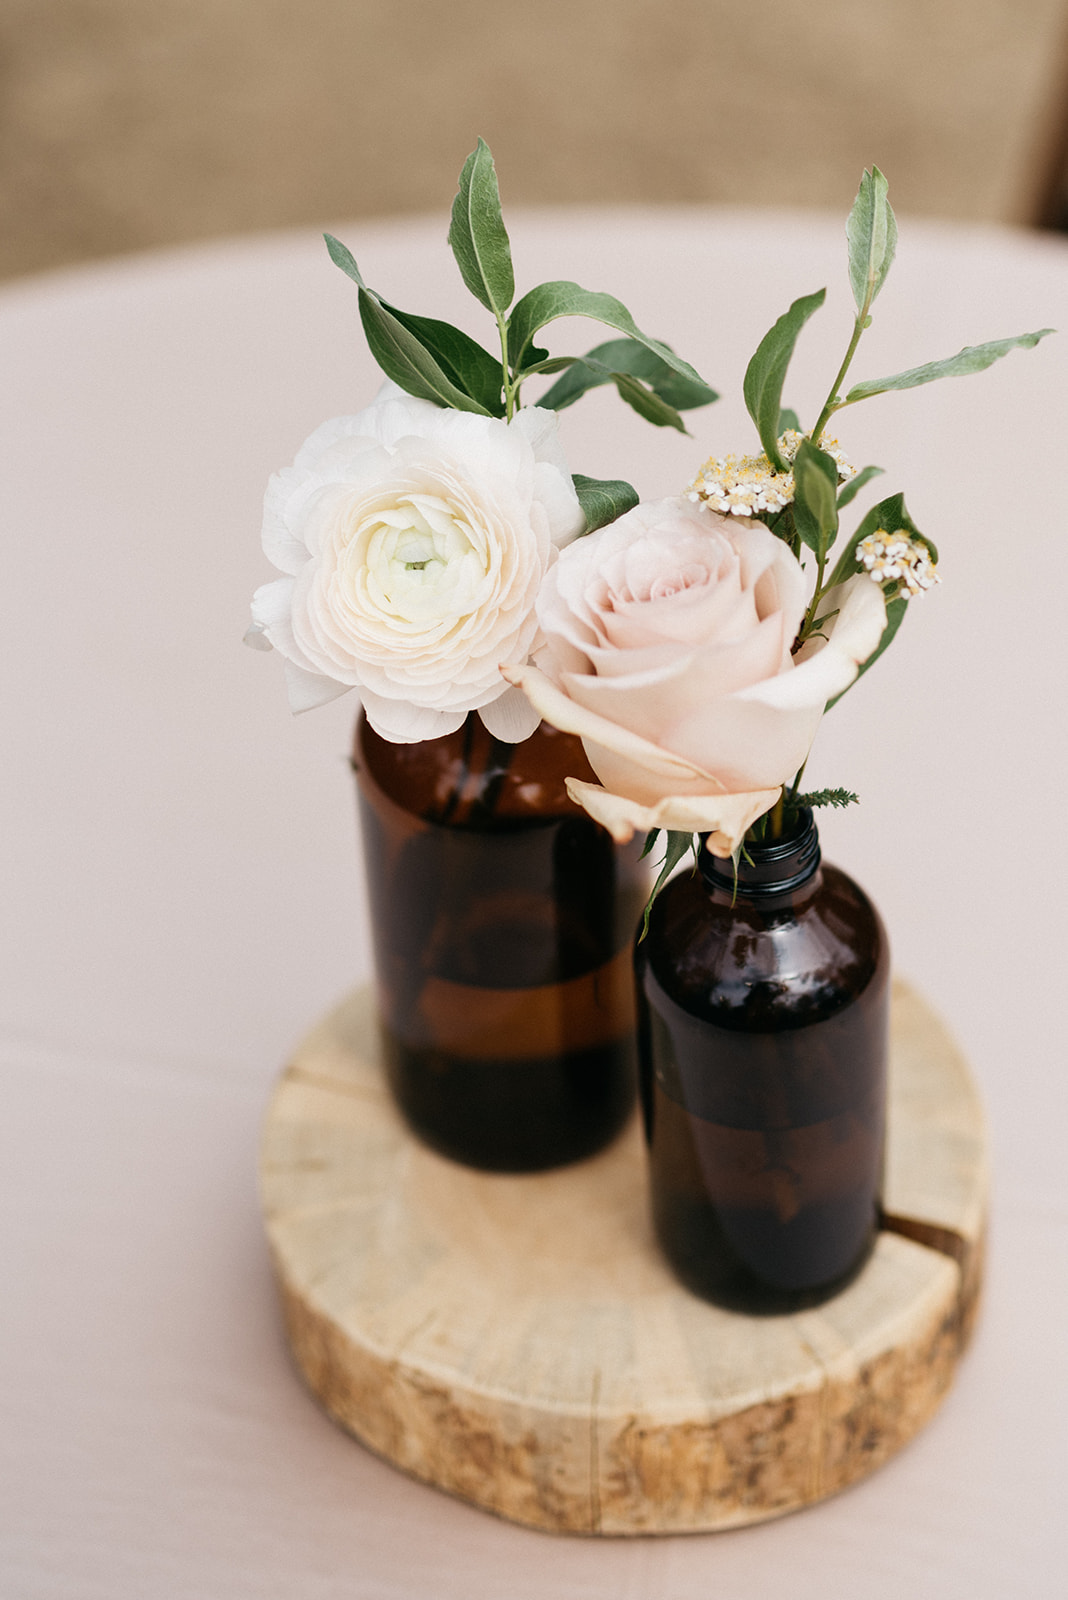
(813, 606)
(511, 390)
(833, 402)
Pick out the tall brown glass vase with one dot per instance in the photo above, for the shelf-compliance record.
(503, 918)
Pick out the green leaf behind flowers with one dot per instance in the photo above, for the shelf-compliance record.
(788, 421)
(478, 236)
(428, 359)
(871, 232)
(603, 499)
(973, 358)
(815, 498)
(562, 298)
(404, 358)
(605, 361)
(766, 372)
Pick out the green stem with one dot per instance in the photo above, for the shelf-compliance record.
(775, 815)
(817, 596)
(795, 787)
(511, 392)
(833, 403)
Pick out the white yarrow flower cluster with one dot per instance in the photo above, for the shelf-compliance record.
(743, 486)
(895, 558)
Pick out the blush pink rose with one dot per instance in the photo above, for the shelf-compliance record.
(668, 651)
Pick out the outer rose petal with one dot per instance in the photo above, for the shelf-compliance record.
(724, 817)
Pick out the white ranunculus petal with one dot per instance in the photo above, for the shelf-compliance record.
(309, 690)
(510, 717)
(414, 541)
(403, 723)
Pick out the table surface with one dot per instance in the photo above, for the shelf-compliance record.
(183, 898)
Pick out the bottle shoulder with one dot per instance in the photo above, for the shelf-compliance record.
(755, 966)
(469, 779)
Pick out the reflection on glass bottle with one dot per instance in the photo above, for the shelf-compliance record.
(763, 1019)
(502, 919)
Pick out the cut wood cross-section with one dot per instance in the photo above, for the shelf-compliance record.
(519, 1341)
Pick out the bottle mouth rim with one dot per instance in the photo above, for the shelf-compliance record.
(775, 867)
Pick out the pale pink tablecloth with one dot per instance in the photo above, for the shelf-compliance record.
(182, 899)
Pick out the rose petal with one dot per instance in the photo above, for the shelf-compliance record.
(725, 818)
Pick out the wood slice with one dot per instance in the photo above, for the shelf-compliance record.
(519, 1342)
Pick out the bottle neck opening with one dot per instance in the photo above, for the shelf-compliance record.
(772, 867)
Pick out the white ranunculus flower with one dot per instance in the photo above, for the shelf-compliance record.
(414, 541)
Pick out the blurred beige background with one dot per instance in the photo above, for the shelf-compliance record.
(133, 123)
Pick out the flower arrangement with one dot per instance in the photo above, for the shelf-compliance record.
(439, 556)
(415, 537)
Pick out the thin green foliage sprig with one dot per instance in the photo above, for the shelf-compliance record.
(435, 361)
(824, 797)
(806, 514)
(677, 846)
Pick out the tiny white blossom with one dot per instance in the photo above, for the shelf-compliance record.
(742, 486)
(895, 558)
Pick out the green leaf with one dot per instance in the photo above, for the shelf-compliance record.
(603, 499)
(429, 359)
(973, 358)
(604, 361)
(463, 361)
(788, 420)
(404, 358)
(477, 233)
(815, 497)
(855, 485)
(871, 232)
(766, 372)
(677, 846)
(892, 516)
(646, 403)
(895, 616)
(565, 299)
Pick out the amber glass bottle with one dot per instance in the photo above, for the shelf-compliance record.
(763, 1040)
(503, 918)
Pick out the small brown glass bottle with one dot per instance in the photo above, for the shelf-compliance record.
(763, 1018)
(503, 918)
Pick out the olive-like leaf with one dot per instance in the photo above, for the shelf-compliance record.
(815, 497)
(973, 358)
(429, 359)
(603, 499)
(871, 232)
(788, 422)
(766, 372)
(405, 359)
(562, 298)
(851, 489)
(604, 361)
(478, 236)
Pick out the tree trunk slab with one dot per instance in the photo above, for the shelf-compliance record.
(519, 1342)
